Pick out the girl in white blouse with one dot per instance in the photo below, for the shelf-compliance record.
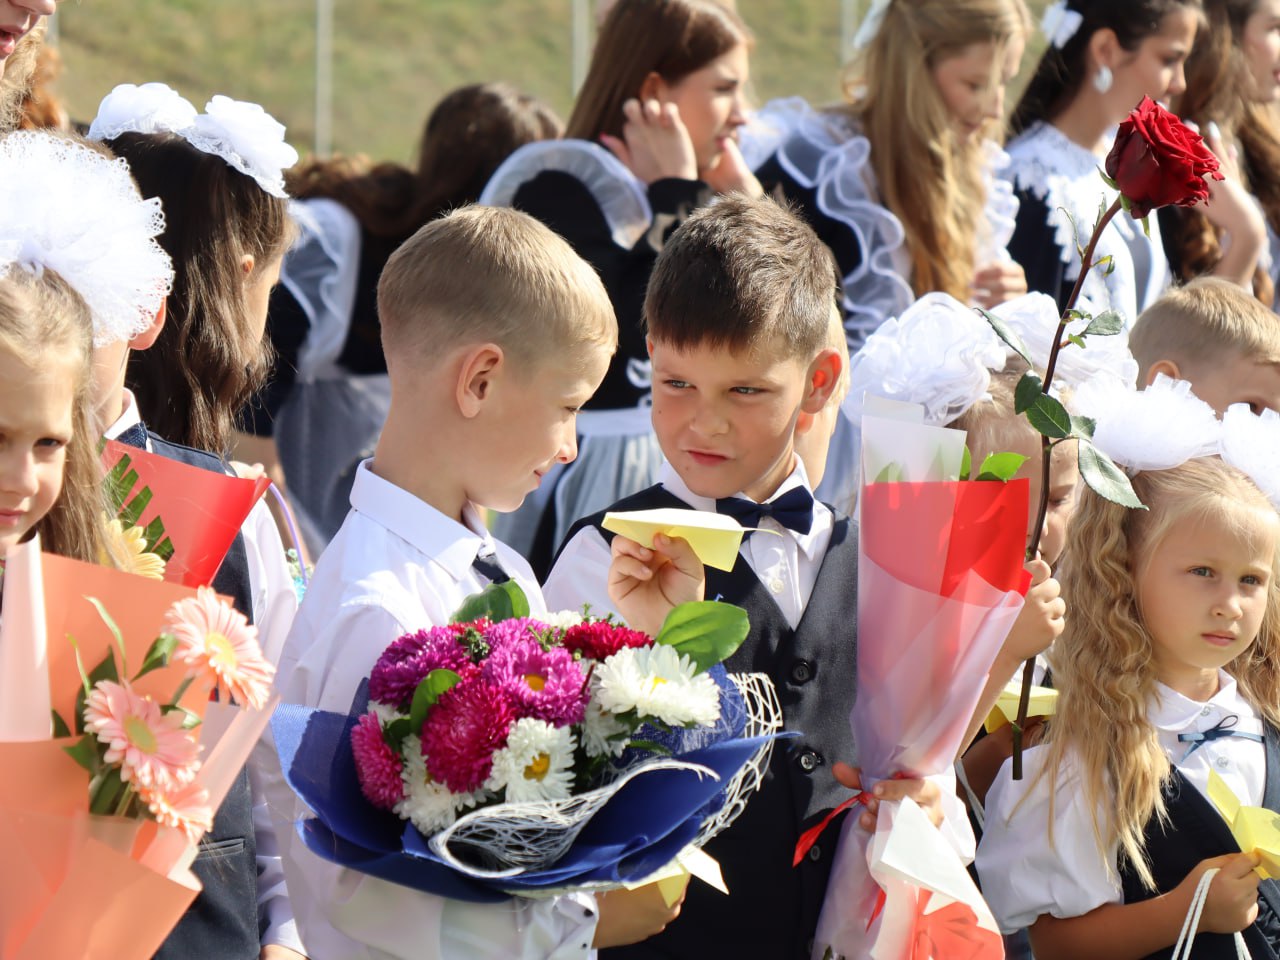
(1169, 668)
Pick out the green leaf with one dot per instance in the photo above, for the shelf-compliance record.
(651, 746)
(1050, 417)
(966, 464)
(1108, 181)
(1005, 333)
(132, 512)
(1108, 263)
(1030, 388)
(115, 632)
(395, 732)
(85, 752)
(60, 728)
(1105, 478)
(1146, 224)
(705, 631)
(189, 720)
(1083, 427)
(159, 654)
(1001, 466)
(496, 602)
(106, 792)
(427, 693)
(1076, 339)
(1106, 324)
(892, 473)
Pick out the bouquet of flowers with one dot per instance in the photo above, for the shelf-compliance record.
(530, 755)
(109, 794)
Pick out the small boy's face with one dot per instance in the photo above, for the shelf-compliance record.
(531, 425)
(1238, 379)
(726, 421)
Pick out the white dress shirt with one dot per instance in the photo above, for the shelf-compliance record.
(274, 604)
(786, 562)
(398, 565)
(1024, 875)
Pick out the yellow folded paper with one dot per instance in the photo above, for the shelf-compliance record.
(1256, 829)
(1043, 703)
(674, 877)
(714, 537)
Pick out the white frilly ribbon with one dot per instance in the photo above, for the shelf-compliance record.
(71, 210)
(1060, 23)
(870, 25)
(1251, 443)
(1158, 428)
(243, 134)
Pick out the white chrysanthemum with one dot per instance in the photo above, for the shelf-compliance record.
(536, 763)
(385, 712)
(601, 730)
(562, 619)
(428, 805)
(658, 682)
(1251, 443)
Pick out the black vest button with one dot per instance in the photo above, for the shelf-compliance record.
(801, 671)
(815, 853)
(809, 760)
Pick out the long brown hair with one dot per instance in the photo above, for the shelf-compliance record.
(672, 38)
(468, 135)
(42, 317)
(16, 75)
(1219, 90)
(204, 366)
(933, 185)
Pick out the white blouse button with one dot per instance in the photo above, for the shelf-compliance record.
(1223, 762)
(776, 585)
(1205, 712)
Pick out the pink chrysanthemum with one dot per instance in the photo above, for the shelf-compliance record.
(546, 684)
(408, 660)
(377, 765)
(515, 630)
(601, 640)
(215, 637)
(151, 747)
(468, 723)
(186, 808)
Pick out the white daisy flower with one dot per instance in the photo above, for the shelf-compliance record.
(536, 763)
(658, 682)
(385, 712)
(428, 805)
(601, 728)
(562, 619)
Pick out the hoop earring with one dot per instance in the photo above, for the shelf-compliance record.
(1103, 79)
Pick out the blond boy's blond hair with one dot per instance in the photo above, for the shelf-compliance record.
(489, 274)
(1204, 323)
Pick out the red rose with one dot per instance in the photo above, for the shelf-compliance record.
(1158, 161)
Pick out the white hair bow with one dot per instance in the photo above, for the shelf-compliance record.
(870, 25)
(1060, 23)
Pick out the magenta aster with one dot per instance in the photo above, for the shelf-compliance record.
(469, 722)
(377, 765)
(546, 684)
(406, 663)
(511, 631)
(601, 640)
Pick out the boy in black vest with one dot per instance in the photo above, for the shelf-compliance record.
(737, 316)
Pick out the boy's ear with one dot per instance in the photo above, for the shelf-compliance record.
(648, 347)
(478, 370)
(149, 336)
(1167, 367)
(824, 375)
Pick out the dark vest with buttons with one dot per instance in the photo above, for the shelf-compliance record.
(772, 910)
(222, 922)
(1195, 832)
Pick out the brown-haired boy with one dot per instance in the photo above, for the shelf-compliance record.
(737, 312)
(1215, 335)
(495, 333)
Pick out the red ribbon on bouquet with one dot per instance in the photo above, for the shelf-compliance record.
(810, 836)
(952, 932)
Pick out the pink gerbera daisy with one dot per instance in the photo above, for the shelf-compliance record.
(151, 747)
(469, 722)
(213, 636)
(186, 808)
(378, 767)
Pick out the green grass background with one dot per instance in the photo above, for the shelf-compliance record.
(393, 59)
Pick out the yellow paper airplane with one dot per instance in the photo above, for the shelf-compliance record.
(714, 537)
(1256, 829)
(1044, 703)
(674, 877)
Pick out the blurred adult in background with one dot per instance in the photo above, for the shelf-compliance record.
(323, 410)
(652, 136)
(22, 29)
(1233, 86)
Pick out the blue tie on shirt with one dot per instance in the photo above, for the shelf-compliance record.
(1223, 728)
(134, 436)
(486, 564)
(793, 510)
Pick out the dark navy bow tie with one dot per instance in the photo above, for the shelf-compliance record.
(134, 436)
(793, 510)
(486, 564)
(1223, 728)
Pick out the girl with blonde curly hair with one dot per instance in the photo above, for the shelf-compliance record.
(1169, 672)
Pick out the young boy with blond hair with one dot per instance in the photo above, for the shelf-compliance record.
(737, 315)
(495, 334)
(1218, 337)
